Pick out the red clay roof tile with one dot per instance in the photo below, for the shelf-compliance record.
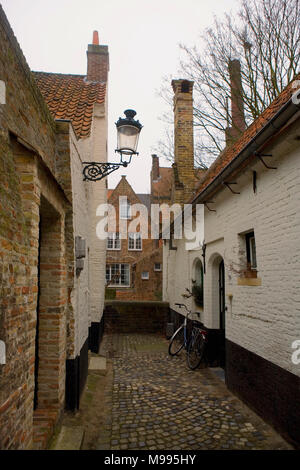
(71, 97)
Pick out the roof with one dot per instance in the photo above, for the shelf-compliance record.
(146, 200)
(162, 187)
(229, 154)
(72, 98)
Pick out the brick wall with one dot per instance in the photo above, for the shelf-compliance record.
(135, 317)
(28, 177)
(139, 261)
(97, 63)
(184, 177)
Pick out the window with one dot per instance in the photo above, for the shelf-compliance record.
(157, 266)
(251, 250)
(125, 210)
(113, 241)
(134, 241)
(118, 274)
(145, 275)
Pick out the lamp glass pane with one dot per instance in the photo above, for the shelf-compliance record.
(128, 138)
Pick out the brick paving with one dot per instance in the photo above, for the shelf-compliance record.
(157, 403)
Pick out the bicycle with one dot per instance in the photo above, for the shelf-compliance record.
(194, 345)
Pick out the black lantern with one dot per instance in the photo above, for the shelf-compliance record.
(128, 135)
(128, 130)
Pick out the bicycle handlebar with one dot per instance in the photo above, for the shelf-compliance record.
(189, 311)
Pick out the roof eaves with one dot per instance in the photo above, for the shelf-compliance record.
(286, 112)
(251, 148)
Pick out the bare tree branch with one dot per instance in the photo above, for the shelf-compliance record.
(265, 37)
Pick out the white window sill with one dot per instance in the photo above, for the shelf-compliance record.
(118, 286)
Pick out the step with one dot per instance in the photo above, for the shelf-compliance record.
(69, 438)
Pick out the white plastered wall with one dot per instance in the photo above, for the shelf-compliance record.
(264, 319)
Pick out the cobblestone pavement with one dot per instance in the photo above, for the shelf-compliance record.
(156, 403)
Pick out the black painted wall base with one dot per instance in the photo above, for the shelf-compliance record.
(271, 391)
(95, 335)
(76, 375)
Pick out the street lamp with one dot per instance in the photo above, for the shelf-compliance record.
(128, 130)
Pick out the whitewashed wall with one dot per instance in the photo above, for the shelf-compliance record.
(264, 319)
(88, 293)
(80, 293)
(97, 195)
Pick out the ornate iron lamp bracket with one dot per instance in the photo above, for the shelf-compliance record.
(95, 171)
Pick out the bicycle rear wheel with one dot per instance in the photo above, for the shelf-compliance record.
(177, 341)
(195, 350)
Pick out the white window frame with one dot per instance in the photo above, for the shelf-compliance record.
(125, 210)
(116, 241)
(120, 270)
(157, 270)
(251, 249)
(147, 277)
(135, 237)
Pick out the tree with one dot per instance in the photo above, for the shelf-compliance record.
(265, 38)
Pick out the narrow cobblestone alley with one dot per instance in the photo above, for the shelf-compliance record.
(154, 402)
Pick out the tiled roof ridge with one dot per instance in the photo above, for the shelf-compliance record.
(59, 73)
(254, 128)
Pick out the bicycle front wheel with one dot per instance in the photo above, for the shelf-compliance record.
(177, 341)
(195, 350)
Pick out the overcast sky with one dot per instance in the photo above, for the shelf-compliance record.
(143, 38)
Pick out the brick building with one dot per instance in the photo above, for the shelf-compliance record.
(134, 263)
(249, 262)
(50, 313)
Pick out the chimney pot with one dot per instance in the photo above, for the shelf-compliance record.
(96, 38)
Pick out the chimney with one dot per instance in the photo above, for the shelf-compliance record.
(238, 124)
(155, 168)
(97, 61)
(183, 140)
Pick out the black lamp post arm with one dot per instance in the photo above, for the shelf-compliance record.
(95, 171)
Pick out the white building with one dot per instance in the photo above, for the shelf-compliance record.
(249, 265)
(79, 105)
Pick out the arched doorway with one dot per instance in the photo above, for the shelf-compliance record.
(198, 286)
(216, 308)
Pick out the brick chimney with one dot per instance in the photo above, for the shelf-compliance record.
(155, 168)
(97, 61)
(183, 140)
(238, 124)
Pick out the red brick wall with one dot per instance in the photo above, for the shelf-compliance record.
(139, 260)
(28, 175)
(98, 63)
(136, 317)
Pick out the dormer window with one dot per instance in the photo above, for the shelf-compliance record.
(125, 210)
